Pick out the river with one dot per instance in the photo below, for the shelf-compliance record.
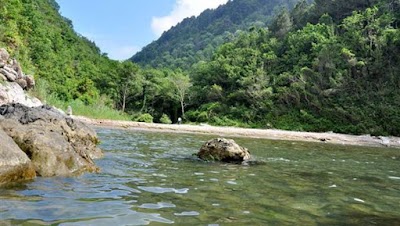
(150, 178)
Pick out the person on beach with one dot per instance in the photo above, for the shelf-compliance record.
(179, 120)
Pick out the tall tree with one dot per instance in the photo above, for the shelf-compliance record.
(129, 84)
(182, 85)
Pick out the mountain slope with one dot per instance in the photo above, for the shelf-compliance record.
(338, 74)
(65, 63)
(196, 38)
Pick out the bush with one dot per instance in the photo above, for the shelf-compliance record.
(146, 117)
(165, 119)
(225, 121)
(197, 116)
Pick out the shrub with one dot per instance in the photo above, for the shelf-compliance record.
(225, 121)
(165, 119)
(197, 116)
(146, 117)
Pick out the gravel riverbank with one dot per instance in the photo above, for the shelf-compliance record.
(327, 137)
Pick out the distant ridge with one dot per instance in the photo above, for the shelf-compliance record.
(196, 38)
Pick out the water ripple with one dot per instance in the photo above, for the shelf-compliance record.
(160, 190)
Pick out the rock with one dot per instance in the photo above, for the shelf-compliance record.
(17, 68)
(4, 56)
(22, 82)
(3, 78)
(30, 81)
(13, 93)
(57, 145)
(11, 71)
(14, 163)
(10, 74)
(226, 150)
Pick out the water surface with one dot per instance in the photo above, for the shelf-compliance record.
(152, 178)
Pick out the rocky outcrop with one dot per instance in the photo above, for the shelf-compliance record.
(221, 149)
(38, 140)
(56, 145)
(13, 82)
(11, 92)
(14, 163)
(11, 71)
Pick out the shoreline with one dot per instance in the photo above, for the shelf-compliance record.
(272, 134)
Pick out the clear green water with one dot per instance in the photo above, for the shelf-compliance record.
(152, 179)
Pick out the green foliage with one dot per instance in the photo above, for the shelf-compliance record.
(225, 121)
(196, 38)
(336, 74)
(97, 110)
(165, 119)
(146, 117)
(325, 66)
(46, 44)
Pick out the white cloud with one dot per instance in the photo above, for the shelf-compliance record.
(182, 10)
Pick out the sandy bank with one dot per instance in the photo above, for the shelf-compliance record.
(333, 138)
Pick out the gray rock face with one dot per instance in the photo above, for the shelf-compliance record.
(11, 92)
(11, 71)
(10, 74)
(13, 82)
(226, 150)
(14, 163)
(56, 145)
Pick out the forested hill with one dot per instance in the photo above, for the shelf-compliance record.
(65, 64)
(196, 38)
(329, 66)
(320, 66)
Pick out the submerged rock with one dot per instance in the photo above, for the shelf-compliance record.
(221, 149)
(57, 145)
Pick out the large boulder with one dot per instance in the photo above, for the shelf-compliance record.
(11, 92)
(56, 144)
(14, 163)
(221, 149)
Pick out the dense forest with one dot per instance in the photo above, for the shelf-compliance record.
(196, 39)
(297, 65)
(47, 46)
(319, 67)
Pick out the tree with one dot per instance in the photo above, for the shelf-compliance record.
(182, 85)
(129, 82)
(282, 24)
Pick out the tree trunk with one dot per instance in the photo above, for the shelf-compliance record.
(183, 108)
(144, 99)
(124, 101)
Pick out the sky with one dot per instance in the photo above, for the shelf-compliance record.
(121, 28)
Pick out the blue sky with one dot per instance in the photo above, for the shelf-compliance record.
(122, 27)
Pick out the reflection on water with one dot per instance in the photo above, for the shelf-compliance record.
(153, 179)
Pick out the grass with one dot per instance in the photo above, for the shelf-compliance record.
(97, 110)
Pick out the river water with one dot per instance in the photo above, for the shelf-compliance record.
(152, 178)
